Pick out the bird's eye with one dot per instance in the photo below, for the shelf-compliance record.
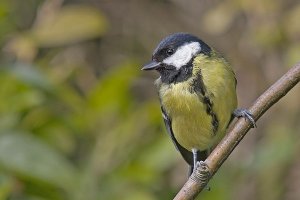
(170, 51)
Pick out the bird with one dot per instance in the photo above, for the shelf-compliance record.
(197, 94)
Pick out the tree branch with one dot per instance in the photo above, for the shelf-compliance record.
(279, 89)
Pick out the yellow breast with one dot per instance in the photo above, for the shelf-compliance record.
(190, 122)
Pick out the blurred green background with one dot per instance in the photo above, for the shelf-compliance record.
(80, 121)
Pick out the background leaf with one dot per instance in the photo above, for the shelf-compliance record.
(69, 24)
(28, 157)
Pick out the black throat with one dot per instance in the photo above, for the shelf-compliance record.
(169, 74)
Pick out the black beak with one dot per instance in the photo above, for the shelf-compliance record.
(152, 65)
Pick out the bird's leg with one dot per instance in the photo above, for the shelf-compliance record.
(201, 171)
(195, 151)
(241, 112)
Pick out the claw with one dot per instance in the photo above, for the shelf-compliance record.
(202, 173)
(241, 112)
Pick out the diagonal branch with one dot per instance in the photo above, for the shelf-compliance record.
(279, 89)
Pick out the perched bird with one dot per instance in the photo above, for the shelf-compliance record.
(197, 92)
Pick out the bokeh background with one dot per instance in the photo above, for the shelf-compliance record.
(80, 120)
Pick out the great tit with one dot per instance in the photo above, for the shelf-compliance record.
(197, 92)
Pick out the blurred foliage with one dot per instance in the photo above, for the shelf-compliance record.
(78, 120)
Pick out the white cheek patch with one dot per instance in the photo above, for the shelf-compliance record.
(183, 55)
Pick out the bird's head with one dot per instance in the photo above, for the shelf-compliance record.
(174, 55)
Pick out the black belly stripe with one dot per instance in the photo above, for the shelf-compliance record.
(199, 87)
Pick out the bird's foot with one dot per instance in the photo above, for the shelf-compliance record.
(241, 112)
(201, 173)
